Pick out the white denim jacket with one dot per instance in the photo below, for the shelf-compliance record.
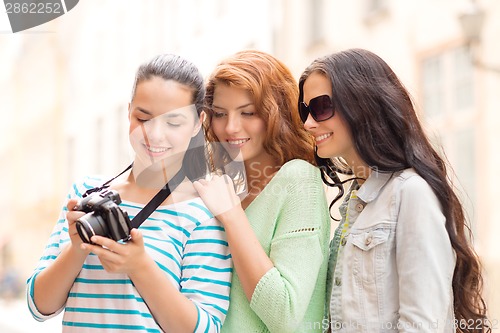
(397, 261)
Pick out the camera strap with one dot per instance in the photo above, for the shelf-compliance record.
(106, 184)
(153, 203)
(158, 199)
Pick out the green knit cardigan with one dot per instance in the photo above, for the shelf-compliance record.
(290, 218)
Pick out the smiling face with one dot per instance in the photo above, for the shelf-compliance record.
(236, 124)
(162, 122)
(333, 137)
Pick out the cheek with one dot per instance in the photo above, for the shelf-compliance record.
(217, 126)
(133, 131)
(259, 129)
(344, 132)
(134, 127)
(137, 132)
(179, 137)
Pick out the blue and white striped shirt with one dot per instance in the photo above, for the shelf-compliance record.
(186, 242)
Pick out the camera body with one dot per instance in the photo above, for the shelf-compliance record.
(103, 218)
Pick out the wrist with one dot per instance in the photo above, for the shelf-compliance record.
(76, 253)
(231, 216)
(144, 266)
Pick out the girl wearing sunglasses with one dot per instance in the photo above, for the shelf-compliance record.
(400, 257)
(278, 234)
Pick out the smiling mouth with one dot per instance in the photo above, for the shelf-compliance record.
(156, 150)
(323, 137)
(238, 142)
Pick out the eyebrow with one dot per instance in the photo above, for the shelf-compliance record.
(143, 111)
(167, 114)
(173, 115)
(238, 108)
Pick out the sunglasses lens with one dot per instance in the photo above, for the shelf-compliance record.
(303, 111)
(321, 108)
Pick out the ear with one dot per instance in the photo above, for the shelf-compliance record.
(203, 116)
(129, 111)
(199, 123)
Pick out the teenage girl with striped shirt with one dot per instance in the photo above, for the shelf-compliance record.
(174, 273)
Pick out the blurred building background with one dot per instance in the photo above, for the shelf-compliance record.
(65, 86)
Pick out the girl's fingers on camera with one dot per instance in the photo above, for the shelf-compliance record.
(103, 242)
(72, 216)
(72, 204)
(137, 236)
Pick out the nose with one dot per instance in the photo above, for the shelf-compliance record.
(233, 124)
(310, 123)
(154, 130)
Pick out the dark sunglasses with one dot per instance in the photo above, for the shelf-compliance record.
(321, 108)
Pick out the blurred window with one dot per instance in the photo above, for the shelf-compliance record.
(316, 19)
(463, 90)
(448, 83)
(464, 163)
(449, 103)
(433, 79)
(376, 5)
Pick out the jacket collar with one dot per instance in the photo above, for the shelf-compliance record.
(371, 188)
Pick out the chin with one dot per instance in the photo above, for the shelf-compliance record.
(237, 158)
(234, 154)
(155, 166)
(323, 154)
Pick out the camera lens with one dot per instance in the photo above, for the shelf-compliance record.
(91, 225)
(82, 231)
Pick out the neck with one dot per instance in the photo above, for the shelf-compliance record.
(361, 172)
(154, 176)
(259, 173)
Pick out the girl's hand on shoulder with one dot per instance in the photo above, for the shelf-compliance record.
(219, 195)
(129, 257)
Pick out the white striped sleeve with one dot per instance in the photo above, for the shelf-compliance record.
(206, 274)
(58, 239)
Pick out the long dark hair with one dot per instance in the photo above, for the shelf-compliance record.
(388, 137)
(175, 68)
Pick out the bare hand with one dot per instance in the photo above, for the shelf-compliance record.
(218, 194)
(71, 216)
(117, 257)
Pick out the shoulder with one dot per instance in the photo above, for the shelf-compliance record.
(298, 183)
(299, 169)
(203, 223)
(298, 164)
(83, 184)
(298, 178)
(188, 216)
(410, 181)
(195, 210)
(412, 189)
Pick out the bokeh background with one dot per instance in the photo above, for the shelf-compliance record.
(65, 85)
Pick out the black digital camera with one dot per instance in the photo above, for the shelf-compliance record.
(103, 218)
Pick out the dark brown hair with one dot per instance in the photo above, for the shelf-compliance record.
(175, 68)
(388, 137)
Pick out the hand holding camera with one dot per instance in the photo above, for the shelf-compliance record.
(72, 215)
(103, 218)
